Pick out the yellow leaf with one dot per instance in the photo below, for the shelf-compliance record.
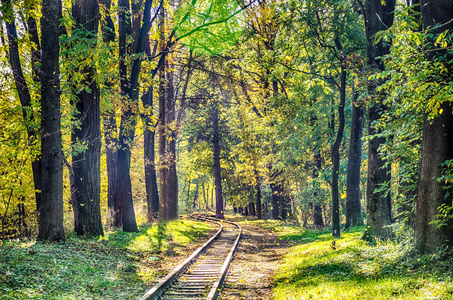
(343, 195)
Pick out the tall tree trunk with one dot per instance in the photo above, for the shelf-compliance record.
(378, 16)
(353, 206)
(284, 204)
(217, 169)
(162, 147)
(252, 209)
(50, 214)
(111, 144)
(152, 195)
(276, 195)
(149, 156)
(127, 126)
(86, 165)
(110, 134)
(336, 157)
(172, 176)
(258, 195)
(317, 207)
(23, 90)
(437, 143)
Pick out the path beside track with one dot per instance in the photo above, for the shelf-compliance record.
(256, 260)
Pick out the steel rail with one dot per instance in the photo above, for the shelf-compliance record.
(193, 278)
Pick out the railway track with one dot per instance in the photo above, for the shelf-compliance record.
(201, 276)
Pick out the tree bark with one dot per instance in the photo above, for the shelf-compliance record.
(149, 156)
(353, 206)
(162, 147)
(258, 195)
(278, 198)
(336, 157)
(437, 143)
(23, 90)
(110, 134)
(127, 125)
(172, 176)
(217, 168)
(50, 213)
(86, 165)
(152, 195)
(317, 207)
(378, 16)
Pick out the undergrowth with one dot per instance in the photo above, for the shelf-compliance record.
(119, 265)
(318, 266)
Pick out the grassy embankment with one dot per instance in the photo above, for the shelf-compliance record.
(314, 268)
(117, 266)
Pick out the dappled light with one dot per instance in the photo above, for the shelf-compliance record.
(252, 149)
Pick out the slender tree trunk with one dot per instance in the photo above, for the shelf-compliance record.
(252, 209)
(258, 195)
(172, 177)
(152, 195)
(217, 169)
(162, 150)
(284, 201)
(86, 165)
(317, 207)
(378, 16)
(23, 90)
(336, 158)
(276, 194)
(162, 124)
(353, 206)
(127, 126)
(50, 214)
(111, 144)
(110, 134)
(437, 143)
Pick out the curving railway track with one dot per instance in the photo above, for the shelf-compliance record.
(201, 276)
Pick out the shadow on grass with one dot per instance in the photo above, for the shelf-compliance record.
(355, 269)
(112, 267)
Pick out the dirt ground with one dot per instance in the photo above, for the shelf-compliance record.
(254, 265)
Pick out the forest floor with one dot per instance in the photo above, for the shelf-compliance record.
(275, 260)
(119, 265)
(255, 263)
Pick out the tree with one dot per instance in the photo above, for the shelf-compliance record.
(87, 133)
(378, 16)
(353, 206)
(437, 139)
(50, 213)
(22, 86)
(110, 126)
(129, 85)
(336, 157)
(152, 194)
(216, 158)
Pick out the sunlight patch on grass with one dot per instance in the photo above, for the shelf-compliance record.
(115, 266)
(352, 269)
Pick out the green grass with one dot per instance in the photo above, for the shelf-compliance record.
(314, 268)
(116, 266)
